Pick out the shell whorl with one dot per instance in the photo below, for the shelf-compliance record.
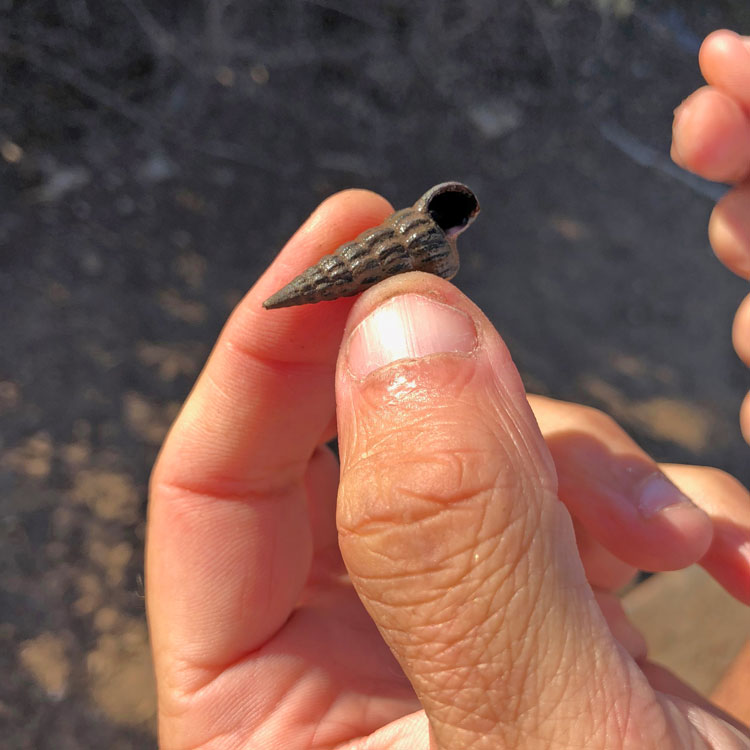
(420, 238)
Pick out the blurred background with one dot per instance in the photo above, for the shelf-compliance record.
(156, 156)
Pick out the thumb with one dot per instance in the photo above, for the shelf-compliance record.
(454, 538)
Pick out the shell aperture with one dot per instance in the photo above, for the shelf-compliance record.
(420, 238)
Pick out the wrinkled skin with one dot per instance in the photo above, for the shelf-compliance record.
(451, 585)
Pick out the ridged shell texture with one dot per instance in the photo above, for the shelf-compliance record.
(421, 238)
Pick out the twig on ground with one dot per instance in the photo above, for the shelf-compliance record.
(353, 12)
(548, 42)
(112, 101)
(647, 156)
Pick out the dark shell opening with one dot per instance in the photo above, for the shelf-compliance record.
(453, 208)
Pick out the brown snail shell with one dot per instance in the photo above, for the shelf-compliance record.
(420, 238)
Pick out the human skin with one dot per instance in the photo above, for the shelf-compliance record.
(433, 591)
(711, 137)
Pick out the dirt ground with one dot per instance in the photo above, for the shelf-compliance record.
(155, 156)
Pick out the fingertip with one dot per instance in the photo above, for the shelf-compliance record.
(286, 332)
(724, 60)
(725, 499)
(729, 230)
(675, 531)
(745, 418)
(715, 46)
(728, 562)
(353, 204)
(427, 285)
(691, 528)
(338, 219)
(621, 498)
(674, 154)
(439, 290)
(711, 136)
(741, 331)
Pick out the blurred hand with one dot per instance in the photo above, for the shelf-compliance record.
(711, 137)
(447, 599)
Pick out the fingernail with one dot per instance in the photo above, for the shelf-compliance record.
(408, 326)
(746, 41)
(657, 493)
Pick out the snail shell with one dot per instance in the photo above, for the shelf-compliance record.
(421, 238)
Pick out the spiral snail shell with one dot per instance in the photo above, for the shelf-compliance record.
(420, 238)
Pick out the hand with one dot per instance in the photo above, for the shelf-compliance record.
(461, 560)
(711, 137)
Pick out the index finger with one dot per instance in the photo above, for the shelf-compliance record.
(229, 542)
(711, 131)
